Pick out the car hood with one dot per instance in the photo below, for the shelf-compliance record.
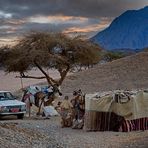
(11, 103)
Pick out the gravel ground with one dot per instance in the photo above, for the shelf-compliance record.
(47, 133)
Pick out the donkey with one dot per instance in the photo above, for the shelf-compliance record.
(41, 98)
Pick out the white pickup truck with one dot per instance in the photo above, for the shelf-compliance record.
(10, 106)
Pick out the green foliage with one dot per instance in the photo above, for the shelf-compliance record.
(110, 56)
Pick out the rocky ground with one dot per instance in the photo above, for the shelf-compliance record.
(127, 73)
(47, 133)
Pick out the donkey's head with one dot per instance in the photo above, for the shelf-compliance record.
(54, 90)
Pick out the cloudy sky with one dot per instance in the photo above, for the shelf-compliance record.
(69, 16)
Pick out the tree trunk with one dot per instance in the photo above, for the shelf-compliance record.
(63, 74)
(50, 80)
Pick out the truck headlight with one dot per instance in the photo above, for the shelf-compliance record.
(23, 107)
(4, 109)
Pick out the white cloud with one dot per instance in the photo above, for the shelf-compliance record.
(5, 15)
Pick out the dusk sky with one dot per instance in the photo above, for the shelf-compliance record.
(85, 17)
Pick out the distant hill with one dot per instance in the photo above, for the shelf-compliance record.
(128, 31)
(127, 73)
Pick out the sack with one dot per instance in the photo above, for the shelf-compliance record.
(50, 111)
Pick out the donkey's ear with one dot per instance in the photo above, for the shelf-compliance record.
(60, 94)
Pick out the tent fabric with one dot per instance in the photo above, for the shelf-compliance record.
(113, 110)
(134, 125)
(136, 106)
(102, 121)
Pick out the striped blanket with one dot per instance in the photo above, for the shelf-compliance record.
(134, 125)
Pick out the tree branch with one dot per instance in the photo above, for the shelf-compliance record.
(33, 77)
(63, 72)
(49, 79)
(58, 57)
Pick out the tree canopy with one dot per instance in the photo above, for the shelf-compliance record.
(50, 50)
(113, 55)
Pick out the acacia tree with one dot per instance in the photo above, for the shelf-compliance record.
(50, 50)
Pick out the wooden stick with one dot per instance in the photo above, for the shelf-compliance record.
(29, 108)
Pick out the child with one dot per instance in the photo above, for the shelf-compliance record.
(66, 107)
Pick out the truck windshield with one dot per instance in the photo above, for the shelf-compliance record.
(6, 96)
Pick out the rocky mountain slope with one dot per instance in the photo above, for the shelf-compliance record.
(127, 73)
(128, 31)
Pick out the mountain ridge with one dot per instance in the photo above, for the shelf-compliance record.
(127, 31)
